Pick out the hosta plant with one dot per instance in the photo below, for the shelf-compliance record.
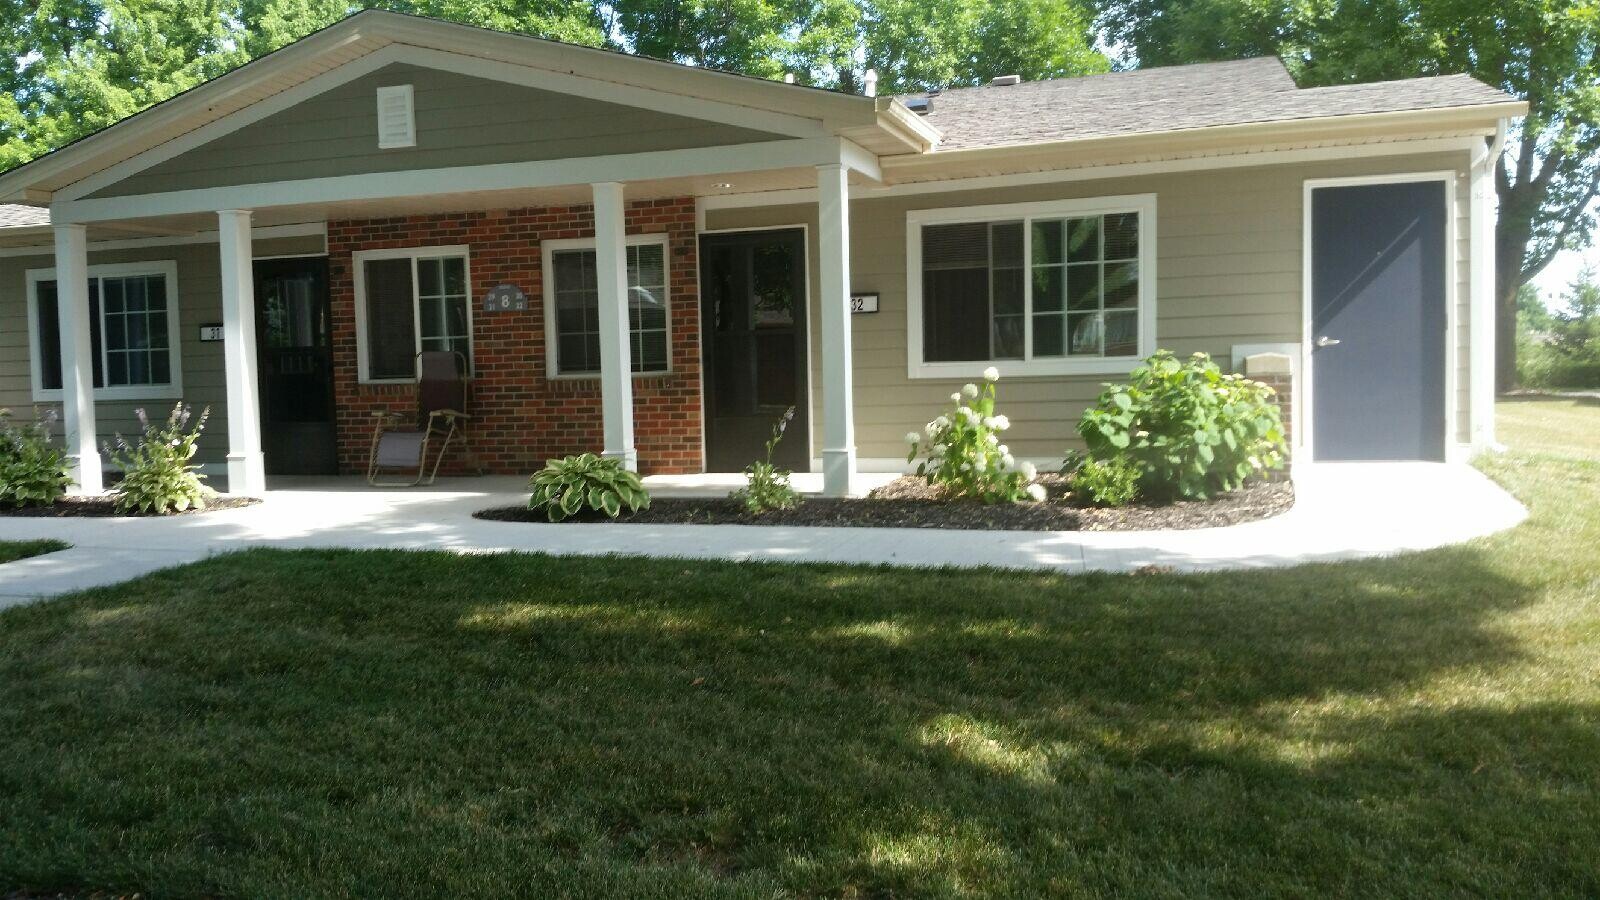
(567, 486)
(961, 450)
(33, 471)
(158, 476)
(1191, 430)
(766, 485)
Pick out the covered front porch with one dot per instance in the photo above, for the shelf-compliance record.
(448, 170)
(522, 399)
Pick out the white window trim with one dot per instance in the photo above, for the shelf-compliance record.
(1143, 204)
(548, 250)
(172, 390)
(358, 261)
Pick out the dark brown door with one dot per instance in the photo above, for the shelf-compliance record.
(296, 363)
(753, 327)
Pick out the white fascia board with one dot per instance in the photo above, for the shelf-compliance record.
(761, 156)
(715, 202)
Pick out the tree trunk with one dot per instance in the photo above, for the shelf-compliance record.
(1510, 245)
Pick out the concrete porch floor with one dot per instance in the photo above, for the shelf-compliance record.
(704, 484)
(1343, 511)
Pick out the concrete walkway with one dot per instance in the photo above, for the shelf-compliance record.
(1343, 511)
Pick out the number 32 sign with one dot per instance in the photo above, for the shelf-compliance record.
(864, 303)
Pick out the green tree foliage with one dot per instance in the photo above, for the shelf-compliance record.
(1561, 348)
(1545, 51)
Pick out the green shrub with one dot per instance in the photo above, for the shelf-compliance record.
(566, 486)
(33, 471)
(1112, 482)
(766, 485)
(1191, 430)
(962, 452)
(157, 476)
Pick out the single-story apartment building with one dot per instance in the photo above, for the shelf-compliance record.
(656, 261)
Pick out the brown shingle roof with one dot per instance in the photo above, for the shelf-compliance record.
(1174, 98)
(14, 215)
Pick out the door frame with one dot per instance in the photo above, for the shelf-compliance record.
(1304, 425)
(805, 285)
(333, 386)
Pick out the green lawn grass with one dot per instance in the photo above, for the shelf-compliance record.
(380, 724)
(14, 550)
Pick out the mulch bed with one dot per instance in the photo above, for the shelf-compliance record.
(909, 502)
(101, 507)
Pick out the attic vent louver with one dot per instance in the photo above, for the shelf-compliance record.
(397, 119)
(1005, 80)
(920, 105)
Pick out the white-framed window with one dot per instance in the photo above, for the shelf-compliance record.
(1052, 288)
(133, 332)
(409, 300)
(572, 307)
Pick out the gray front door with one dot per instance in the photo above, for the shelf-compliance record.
(1378, 321)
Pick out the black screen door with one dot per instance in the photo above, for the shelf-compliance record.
(1378, 321)
(753, 334)
(296, 362)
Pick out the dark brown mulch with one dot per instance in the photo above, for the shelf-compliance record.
(101, 507)
(910, 503)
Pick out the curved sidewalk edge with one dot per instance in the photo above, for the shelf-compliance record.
(1342, 511)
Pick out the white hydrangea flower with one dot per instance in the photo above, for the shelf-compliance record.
(1029, 470)
(938, 449)
(956, 397)
(1003, 450)
(970, 389)
(1006, 459)
(913, 438)
(943, 422)
(992, 439)
(972, 418)
(1001, 423)
(991, 374)
(1036, 491)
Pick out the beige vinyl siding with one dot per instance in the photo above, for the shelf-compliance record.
(1229, 247)
(460, 121)
(199, 291)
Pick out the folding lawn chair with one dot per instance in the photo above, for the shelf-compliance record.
(441, 415)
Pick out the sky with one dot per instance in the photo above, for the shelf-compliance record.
(1553, 281)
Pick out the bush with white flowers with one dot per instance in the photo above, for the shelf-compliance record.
(962, 450)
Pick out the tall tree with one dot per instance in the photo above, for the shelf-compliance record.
(1544, 51)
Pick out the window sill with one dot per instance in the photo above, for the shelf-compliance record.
(1016, 368)
(595, 376)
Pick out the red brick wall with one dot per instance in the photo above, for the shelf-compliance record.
(521, 418)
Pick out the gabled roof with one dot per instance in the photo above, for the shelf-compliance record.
(1175, 98)
(882, 125)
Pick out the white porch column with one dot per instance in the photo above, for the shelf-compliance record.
(838, 414)
(246, 473)
(77, 357)
(616, 357)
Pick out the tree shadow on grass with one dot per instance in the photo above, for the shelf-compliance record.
(319, 722)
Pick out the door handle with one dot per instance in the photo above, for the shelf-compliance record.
(1326, 341)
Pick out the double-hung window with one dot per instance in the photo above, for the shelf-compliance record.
(133, 331)
(572, 307)
(1051, 288)
(407, 301)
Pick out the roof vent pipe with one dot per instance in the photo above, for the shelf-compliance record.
(1005, 80)
(871, 80)
(788, 78)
